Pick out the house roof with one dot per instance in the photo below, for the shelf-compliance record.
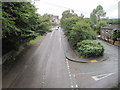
(111, 27)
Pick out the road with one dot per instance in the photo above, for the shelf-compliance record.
(98, 75)
(45, 66)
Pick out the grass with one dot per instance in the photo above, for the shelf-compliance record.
(34, 41)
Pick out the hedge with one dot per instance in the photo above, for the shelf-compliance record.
(89, 48)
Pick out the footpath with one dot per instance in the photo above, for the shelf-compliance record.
(71, 55)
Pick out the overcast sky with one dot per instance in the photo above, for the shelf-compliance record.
(56, 7)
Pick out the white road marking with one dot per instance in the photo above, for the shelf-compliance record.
(99, 77)
(60, 41)
(85, 73)
(51, 34)
(74, 75)
(71, 86)
(76, 86)
(67, 63)
(68, 66)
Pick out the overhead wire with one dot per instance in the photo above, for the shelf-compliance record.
(64, 7)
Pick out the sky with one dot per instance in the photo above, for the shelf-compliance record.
(56, 7)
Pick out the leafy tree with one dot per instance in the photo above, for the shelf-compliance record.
(20, 23)
(68, 13)
(116, 35)
(97, 14)
(76, 28)
(68, 23)
(96, 18)
(93, 17)
(81, 31)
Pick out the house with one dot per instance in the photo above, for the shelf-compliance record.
(106, 32)
(53, 18)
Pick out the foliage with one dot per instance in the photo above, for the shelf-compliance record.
(76, 28)
(89, 48)
(116, 34)
(97, 13)
(114, 21)
(95, 17)
(100, 24)
(20, 23)
(81, 31)
(68, 13)
(67, 24)
(35, 40)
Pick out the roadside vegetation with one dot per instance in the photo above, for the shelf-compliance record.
(88, 48)
(82, 31)
(20, 25)
(34, 41)
(116, 34)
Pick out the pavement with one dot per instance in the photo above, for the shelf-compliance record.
(71, 55)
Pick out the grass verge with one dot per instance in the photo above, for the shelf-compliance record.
(34, 41)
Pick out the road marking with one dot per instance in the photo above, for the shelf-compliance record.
(60, 41)
(71, 77)
(68, 65)
(51, 34)
(71, 86)
(76, 86)
(84, 73)
(99, 77)
(93, 61)
(74, 75)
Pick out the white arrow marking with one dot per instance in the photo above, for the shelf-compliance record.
(99, 77)
(71, 86)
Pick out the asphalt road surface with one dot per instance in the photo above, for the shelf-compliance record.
(45, 66)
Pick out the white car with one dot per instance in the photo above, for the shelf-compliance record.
(56, 28)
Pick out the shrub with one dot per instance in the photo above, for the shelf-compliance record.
(81, 31)
(89, 48)
(116, 34)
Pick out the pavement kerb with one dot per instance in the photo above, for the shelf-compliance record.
(89, 61)
(76, 60)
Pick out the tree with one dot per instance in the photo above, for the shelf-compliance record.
(68, 23)
(20, 24)
(97, 14)
(95, 17)
(116, 35)
(81, 31)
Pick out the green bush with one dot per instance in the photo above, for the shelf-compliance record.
(81, 31)
(89, 48)
(116, 34)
